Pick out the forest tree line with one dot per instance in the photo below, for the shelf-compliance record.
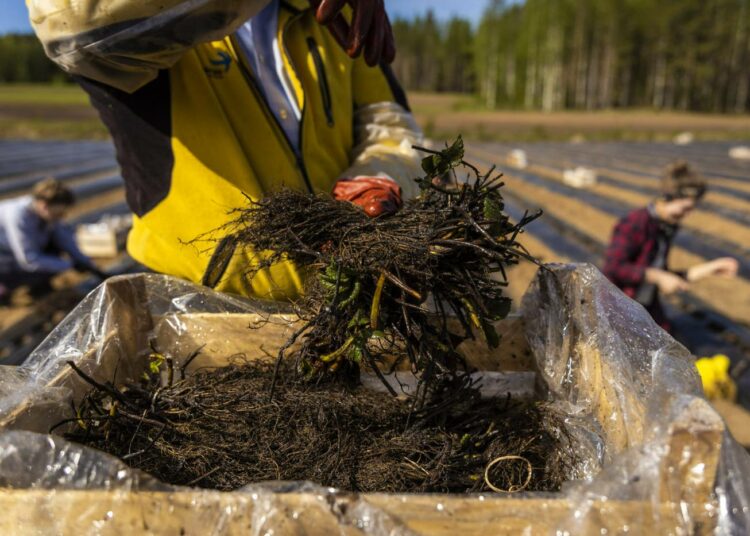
(22, 60)
(551, 55)
(587, 54)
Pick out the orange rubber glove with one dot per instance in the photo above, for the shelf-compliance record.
(370, 29)
(375, 195)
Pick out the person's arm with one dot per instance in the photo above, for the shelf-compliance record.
(726, 267)
(65, 240)
(384, 130)
(668, 282)
(26, 243)
(124, 43)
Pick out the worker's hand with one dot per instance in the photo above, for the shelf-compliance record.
(375, 195)
(724, 267)
(370, 29)
(667, 282)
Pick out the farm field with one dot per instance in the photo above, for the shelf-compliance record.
(35, 112)
(443, 116)
(713, 317)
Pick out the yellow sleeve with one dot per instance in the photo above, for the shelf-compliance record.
(123, 43)
(384, 129)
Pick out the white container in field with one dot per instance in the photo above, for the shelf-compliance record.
(518, 159)
(580, 177)
(105, 239)
(684, 138)
(740, 153)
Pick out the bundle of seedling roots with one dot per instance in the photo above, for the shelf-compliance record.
(392, 295)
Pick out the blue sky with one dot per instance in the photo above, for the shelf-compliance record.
(469, 9)
(14, 17)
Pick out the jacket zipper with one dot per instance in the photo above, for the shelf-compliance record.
(250, 79)
(325, 89)
(300, 160)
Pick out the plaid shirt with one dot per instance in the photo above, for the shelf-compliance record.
(633, 249)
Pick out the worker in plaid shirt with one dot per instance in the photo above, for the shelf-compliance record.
(637, 257)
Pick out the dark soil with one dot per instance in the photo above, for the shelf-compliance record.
(218, 429)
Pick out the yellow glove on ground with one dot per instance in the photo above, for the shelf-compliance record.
(717, 383)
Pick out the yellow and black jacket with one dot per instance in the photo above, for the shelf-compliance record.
(193, 134)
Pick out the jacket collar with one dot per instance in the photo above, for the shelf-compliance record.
(296, 5)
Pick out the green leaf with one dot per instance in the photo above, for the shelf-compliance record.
(353, 296)
(356, 354)
(493, 213)
(331, 273)
(436, 165)
(493, 210)
(359, 320)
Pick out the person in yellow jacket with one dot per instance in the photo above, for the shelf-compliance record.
(213, 101)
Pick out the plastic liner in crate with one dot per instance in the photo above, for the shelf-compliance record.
(662, 463)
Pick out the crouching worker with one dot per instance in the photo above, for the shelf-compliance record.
(211, 103)
(637, 257)
(34, 243)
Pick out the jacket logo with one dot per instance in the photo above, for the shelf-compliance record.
(221, 65)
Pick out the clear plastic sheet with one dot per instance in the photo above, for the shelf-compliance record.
(645, 386)
(664, 463)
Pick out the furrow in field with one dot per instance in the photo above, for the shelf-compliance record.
(730, 297)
